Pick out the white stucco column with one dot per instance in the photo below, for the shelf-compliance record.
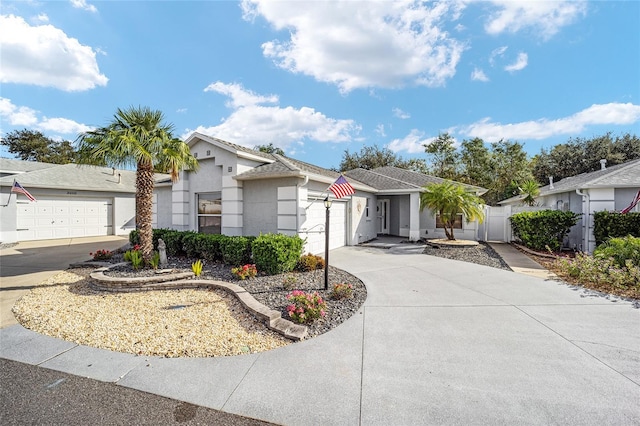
(232, 208)
(287, 210)
(414, 216)
(181, 203)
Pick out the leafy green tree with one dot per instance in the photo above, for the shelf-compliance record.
(269, 149)
(449, 199)
(32, 145)
(579, 155)
(138, 137)
(443, 156)
(509, 162)
(372, 157)
(475, 163)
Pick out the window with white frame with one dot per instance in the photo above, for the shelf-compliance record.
(457, 224)
(210, 213)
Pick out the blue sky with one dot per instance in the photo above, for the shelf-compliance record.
(319, 78)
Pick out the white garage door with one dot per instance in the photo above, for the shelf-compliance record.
(315, 221)
(50, 218)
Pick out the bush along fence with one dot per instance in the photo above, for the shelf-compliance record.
(271, 253)
(543, 229)
(613, 224)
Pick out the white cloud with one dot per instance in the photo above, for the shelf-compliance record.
(499, 52)
(412, 143)
(380, 44)
(41, 18)
(181, 110)
(519, 64)
(22, 116)
(252, 123)
(397, 112)
(15, 115)
(45, 56)
(239, 96)
(62, 125)
(380, 130)
(82, 4)
(598, 114)
(478, 75)
(545, 18)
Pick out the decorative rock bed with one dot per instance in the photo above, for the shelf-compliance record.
(172, 280)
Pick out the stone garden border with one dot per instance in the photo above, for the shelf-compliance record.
(184, 280)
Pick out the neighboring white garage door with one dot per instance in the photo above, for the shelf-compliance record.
(315, 223)
(50, 218)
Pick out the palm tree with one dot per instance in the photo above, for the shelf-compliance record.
(449, 199)
(530, 190)
(138, 137)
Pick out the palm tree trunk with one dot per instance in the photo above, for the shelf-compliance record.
(144, 207)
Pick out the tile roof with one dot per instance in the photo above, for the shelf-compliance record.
(13, 165)
(74, 177)
(391, 178)
(618, 176)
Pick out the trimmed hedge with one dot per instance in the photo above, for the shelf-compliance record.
(544, 228)
(236, 251)
(276, 253)
(613, 225)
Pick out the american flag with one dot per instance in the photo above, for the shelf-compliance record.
(341, 188)
(635, 201)
(20, 190)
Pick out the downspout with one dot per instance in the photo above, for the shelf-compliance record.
(298, 186)
(585, 219)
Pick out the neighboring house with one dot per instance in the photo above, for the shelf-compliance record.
(72, 201)
(240, 191)
(610, 188)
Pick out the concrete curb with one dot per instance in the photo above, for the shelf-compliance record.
(178, 281)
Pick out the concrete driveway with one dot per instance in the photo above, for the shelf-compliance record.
(31, 262)
(437, 342)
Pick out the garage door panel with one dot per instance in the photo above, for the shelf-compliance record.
(62, 218)
(315, 222)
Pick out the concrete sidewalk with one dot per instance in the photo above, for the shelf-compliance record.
(31, 262)
(437, 342)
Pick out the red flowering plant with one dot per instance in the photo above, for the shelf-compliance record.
(342, 291)
(245, 271)
(101, 255)
(305, 307)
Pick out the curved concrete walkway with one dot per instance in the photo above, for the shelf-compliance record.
(437, 342)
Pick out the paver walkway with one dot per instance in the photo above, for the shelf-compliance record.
(437, 342)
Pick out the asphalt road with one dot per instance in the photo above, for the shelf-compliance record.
(31, 395)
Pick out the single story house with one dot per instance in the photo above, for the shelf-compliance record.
(71, 201)
(610, 188)
(240, 191)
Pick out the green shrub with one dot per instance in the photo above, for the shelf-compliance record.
(189, 244)
(134, 237)
(235, 250)
(173, 241)
(158, 234)
(310, 262)
(276, 253)
(620, 250)
(544, 228)
(612, 224)
(600, 271)
(209, 246)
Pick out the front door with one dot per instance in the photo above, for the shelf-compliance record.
(383, 216)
